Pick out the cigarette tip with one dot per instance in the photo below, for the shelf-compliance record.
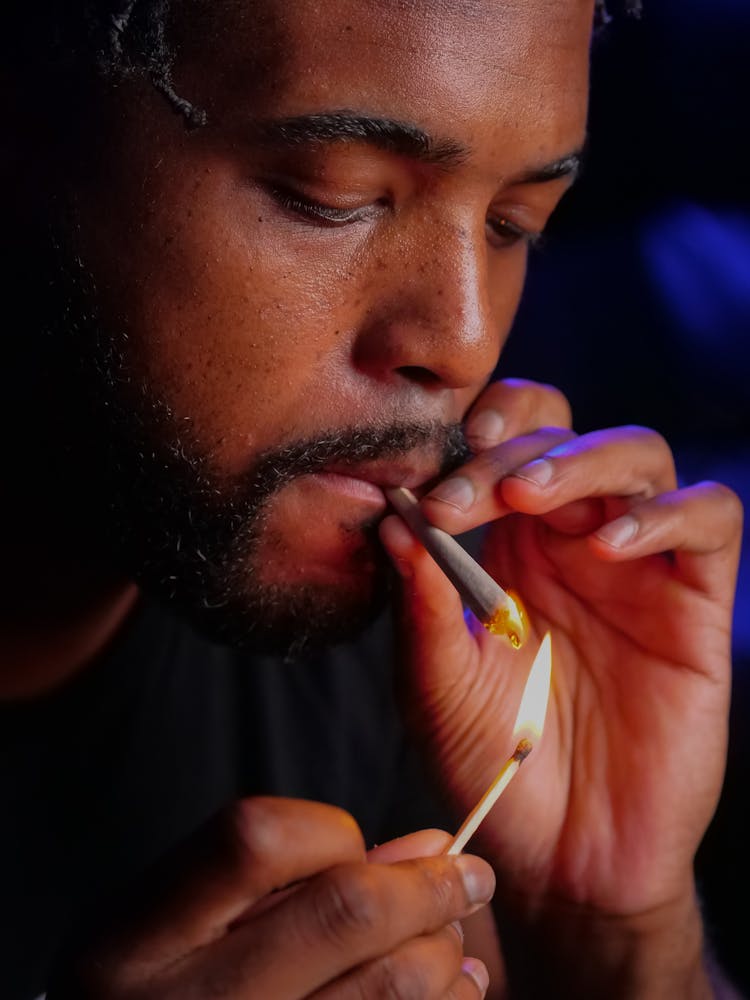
(510, 621)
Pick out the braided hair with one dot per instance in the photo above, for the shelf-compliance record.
(131, 38)
(46, 42)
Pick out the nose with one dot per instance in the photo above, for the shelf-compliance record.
(435, 314)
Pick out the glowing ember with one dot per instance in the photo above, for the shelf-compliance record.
(510, 621)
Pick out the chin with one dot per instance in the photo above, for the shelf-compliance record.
(279, 607)
(289, 619)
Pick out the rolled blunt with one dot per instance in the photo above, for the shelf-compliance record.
(494, 608)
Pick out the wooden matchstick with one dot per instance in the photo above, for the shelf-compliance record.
(471, 823)
(494, 608)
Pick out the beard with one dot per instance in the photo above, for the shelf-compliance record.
(193, 538)
(187, 534)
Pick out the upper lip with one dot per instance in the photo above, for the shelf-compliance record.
(387, 473)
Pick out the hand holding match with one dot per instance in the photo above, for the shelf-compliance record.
(494, 608)
(499, 613)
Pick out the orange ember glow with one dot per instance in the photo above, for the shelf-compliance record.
(510, 621)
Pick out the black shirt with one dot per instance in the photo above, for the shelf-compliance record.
(98, 780)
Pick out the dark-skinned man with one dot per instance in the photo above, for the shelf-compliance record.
(265, 259)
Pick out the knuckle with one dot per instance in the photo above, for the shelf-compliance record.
(533, 393)
(446, 891)
(520, 384)
(647, 436)
(732, 511)
(348, 904)
(559, 401)
(249, 833)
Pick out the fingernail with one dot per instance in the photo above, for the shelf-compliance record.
(478, 878)
(620, 532)
(538, 472)
(457, 927)
(485, 429)
(458, 492)
(478, 972)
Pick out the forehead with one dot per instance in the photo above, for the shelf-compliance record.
(514, 68)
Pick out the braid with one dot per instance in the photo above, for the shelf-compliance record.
(132, 39)
(119, 21)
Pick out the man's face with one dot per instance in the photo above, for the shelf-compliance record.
(320, 279)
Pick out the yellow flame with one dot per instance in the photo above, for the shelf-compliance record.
(533, 708)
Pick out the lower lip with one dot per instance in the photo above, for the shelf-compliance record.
(350, 486)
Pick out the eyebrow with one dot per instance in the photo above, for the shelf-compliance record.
(345, 126)
(566, 166)
(393, 136)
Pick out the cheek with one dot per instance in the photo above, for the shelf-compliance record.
(233, 323)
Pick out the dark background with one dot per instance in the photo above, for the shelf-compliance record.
(638, 307)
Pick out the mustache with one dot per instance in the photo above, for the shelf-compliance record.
(352, 445)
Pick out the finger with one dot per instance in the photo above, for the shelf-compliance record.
(249, 850)
(514, 407)
(474, 981)
(580, 517)
(340, 919)
(424, 967)
(422, 844)
(470, 496)
(625, 461)
(701, 524)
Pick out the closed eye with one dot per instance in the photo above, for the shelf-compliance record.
(319, 212)
(505, 233)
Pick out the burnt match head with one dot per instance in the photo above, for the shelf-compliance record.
(523, 750)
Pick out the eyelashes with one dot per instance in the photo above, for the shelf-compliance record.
(509, 234)
(502, 231)
(321, 213)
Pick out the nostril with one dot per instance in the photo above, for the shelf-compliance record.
(418, 374)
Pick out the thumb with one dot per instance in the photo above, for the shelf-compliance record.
(434, 634)
(421, 844)
(460, 677)
(194, 895)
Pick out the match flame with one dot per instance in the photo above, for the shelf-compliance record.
(533, 708)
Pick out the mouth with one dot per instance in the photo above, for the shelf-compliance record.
(367, 481)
